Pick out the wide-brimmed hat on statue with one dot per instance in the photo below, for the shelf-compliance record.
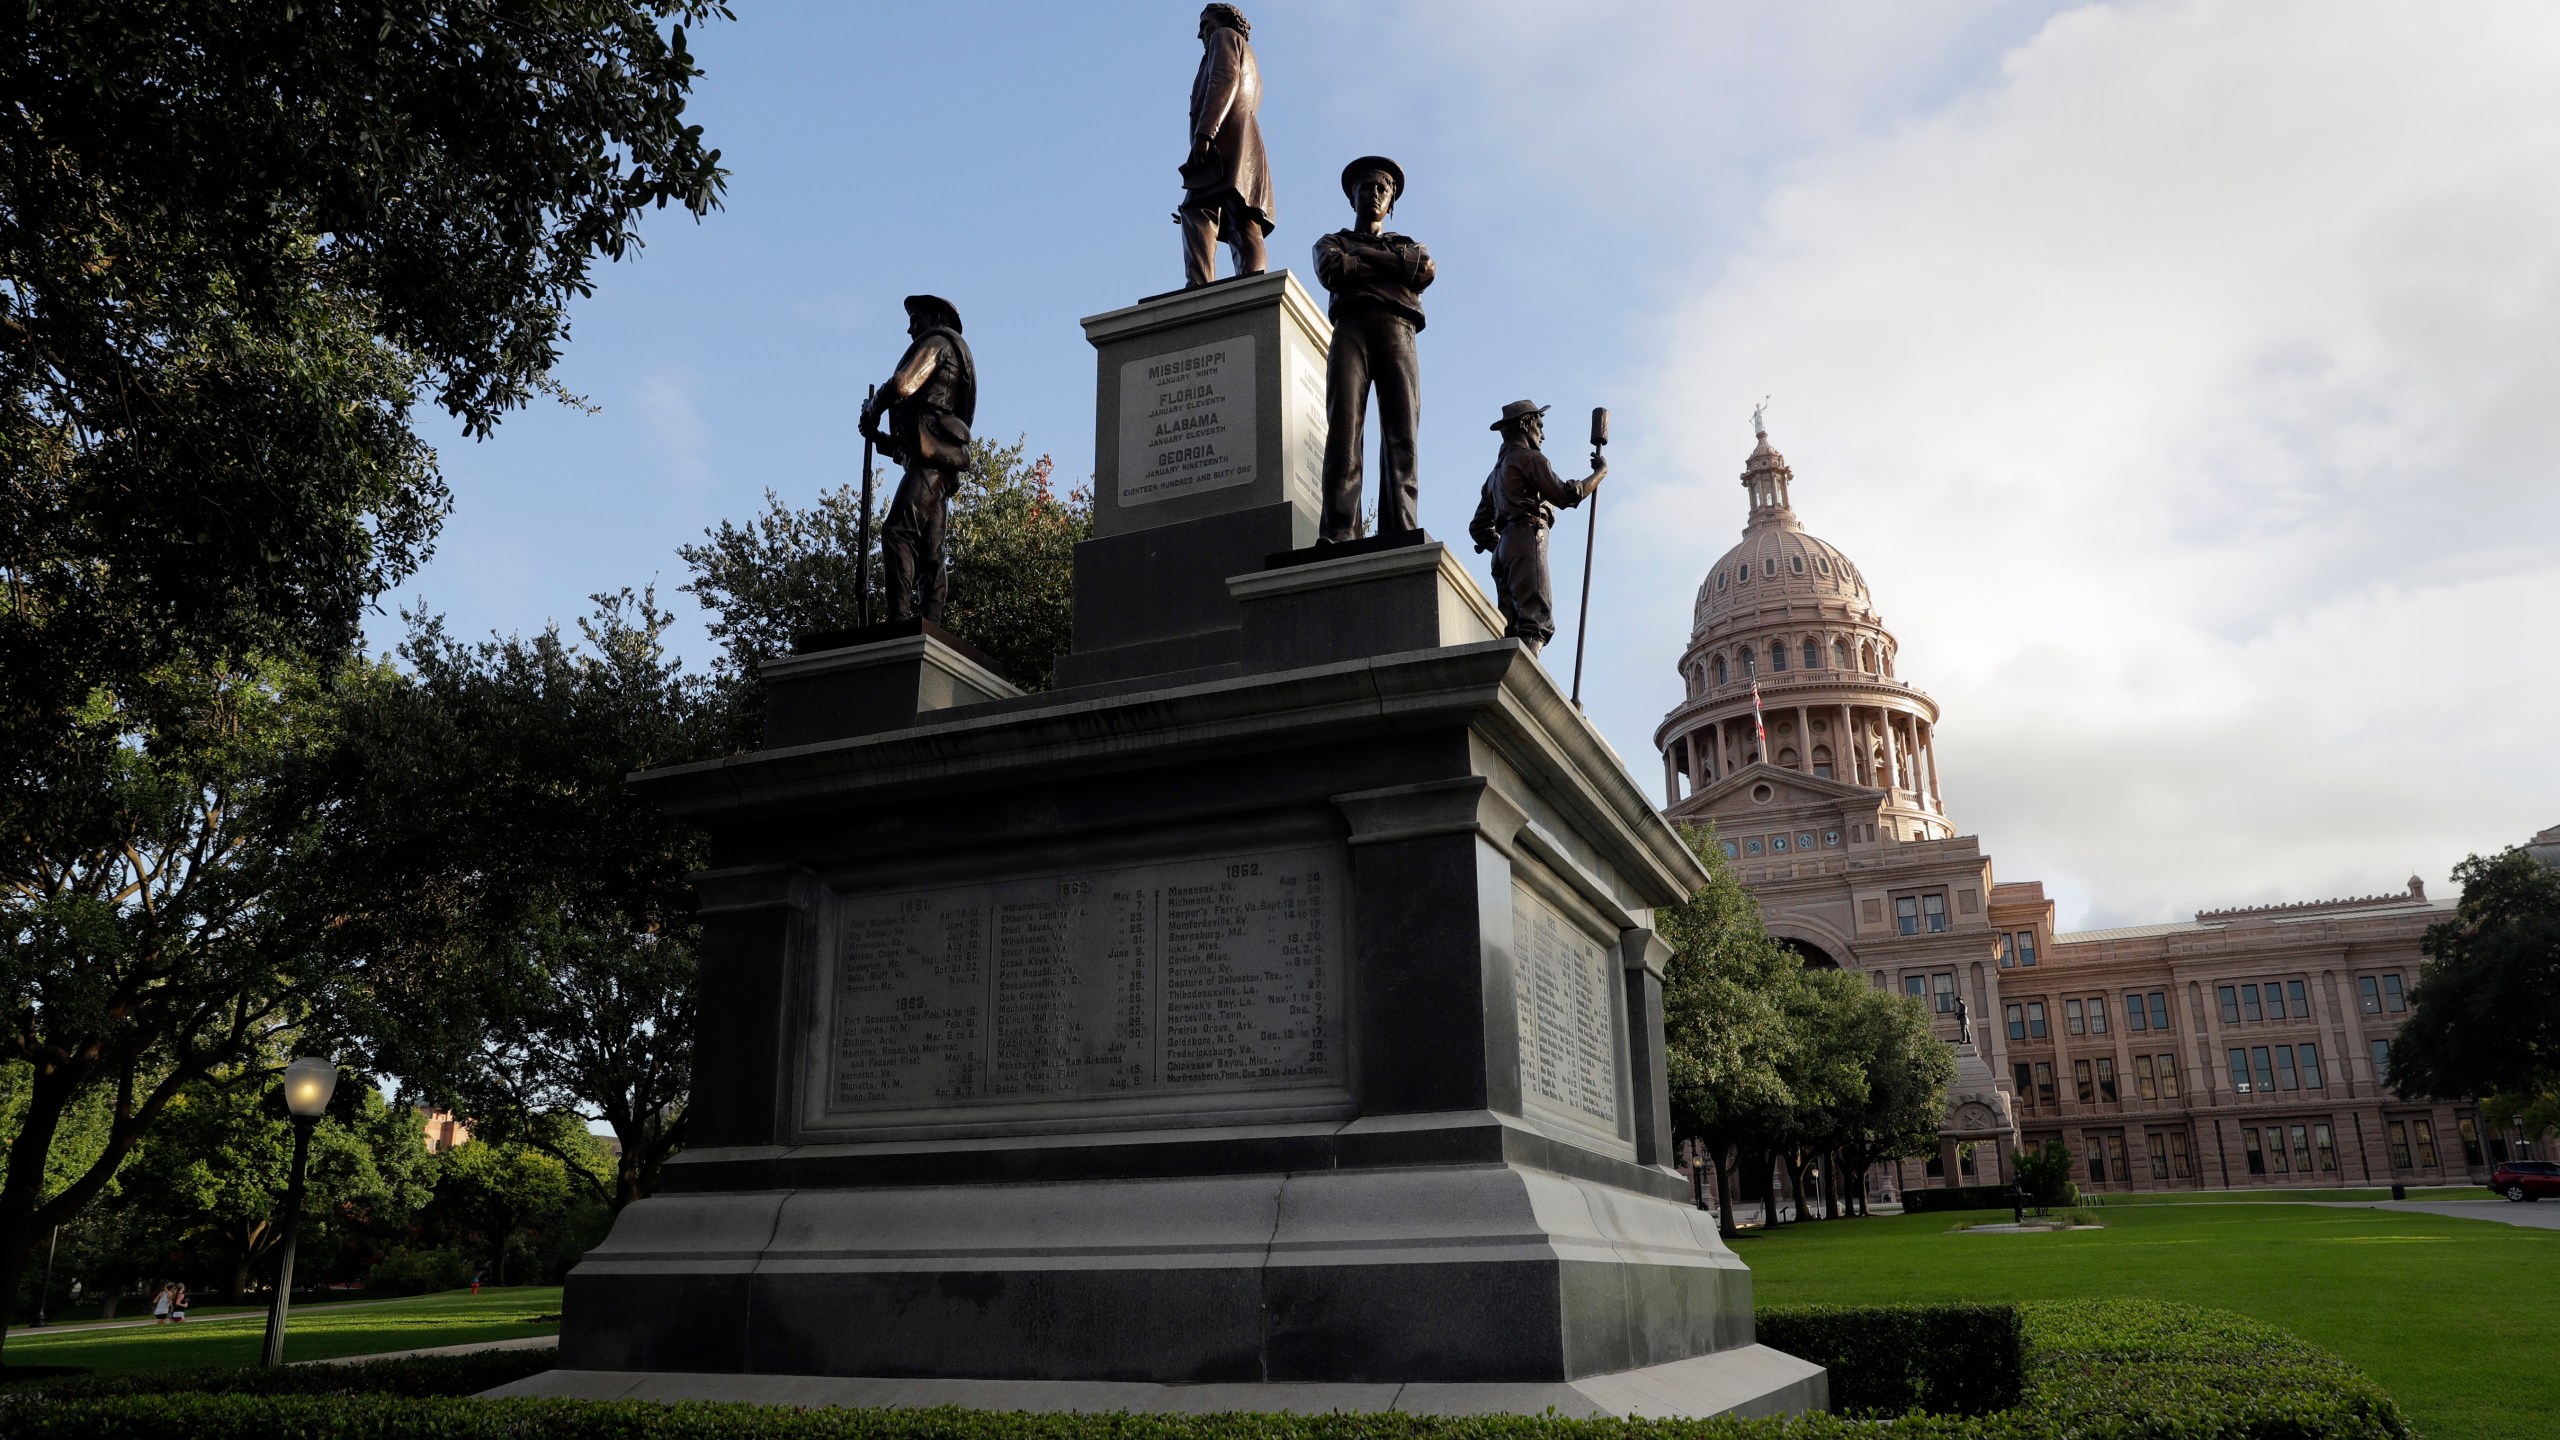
(932, 307)
(1368, 164)
(1519, 410)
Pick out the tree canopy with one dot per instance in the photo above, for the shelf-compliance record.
(2484, 1020)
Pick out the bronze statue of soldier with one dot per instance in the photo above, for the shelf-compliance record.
(1513, 517)
(930, 401)
(1226, 179)
(1377, 280)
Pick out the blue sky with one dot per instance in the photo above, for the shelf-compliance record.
(2177, 373)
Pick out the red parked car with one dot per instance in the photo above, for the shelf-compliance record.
(2526, 1179)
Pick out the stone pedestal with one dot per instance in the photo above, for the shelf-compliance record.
(1208, 456)
(1270, 1017)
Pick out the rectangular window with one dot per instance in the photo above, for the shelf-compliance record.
(2301, 1148)
(2294, 1000)
(2168, 1077)
(2399, 1146)
(2026, 949)
(2133, 1017)
(2275, 1151)
(2382, 1062)
(2044, 1083)
(2240, 1072)
(1916, 986)
(2257, 1156)
(2285, 1078)
(2159, 1010)
(2017, 1017)
(2026, 1084)
(2116, 1161)
(2097, 1159)
(1906, 915)
(2080, 1082)
(2008, 956)
(2426, 1134)
(2178, 1153)
(2158, 1145)
(2250, 1009)
(2328, 1151)
(2470, 1133)
(2230, 1004)
(1933, 908)
(2071, 1024)
(2275, 1001)
(2391, 997)
(2145, 1083)
(2107, 1078)
(2309, 1055)
(2370, 991)
(1946, 991)
(2097, 1014)
(2035, 1020)
(2264, 1065)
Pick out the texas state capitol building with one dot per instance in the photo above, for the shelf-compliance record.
(2241, 1048)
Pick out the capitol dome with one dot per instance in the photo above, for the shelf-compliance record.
(1776, 556)
(1785, 617)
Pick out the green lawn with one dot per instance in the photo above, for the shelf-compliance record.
(2225, 1197)
(2456, 1318)
(456, 1317)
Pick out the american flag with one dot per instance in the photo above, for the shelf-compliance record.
(1759, 726)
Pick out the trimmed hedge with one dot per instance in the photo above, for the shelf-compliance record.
(1960, 1197)
(2120, 1370)
(1942, 1359)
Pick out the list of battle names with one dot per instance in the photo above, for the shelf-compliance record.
(1185, 977)
(1568, 1048)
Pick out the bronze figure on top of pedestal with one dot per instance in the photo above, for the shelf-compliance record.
(930, 401)
(1512, 518)
(1377, 279)
(1226, 179)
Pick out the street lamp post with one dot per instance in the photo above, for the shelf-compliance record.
(308, 1084)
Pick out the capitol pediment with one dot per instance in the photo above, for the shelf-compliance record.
(1738, 793)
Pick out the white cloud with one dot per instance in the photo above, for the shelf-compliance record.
(2186, 395)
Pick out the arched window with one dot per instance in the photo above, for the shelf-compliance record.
(1719, 582)
(1749, 665)
(1787, 757)
(1769, 566)
(1867, 658)
(1796, 563)
(1777, 657)
(1719, 669)
(1821, 564)
(1812, 653)
(1839, 654)
(1742, 573)
(1888, 664)
(1822, 762)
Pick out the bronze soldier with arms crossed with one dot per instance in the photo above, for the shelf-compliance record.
(1377, 280)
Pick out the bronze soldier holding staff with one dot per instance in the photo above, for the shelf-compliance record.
(930, 402)
(1514, 515)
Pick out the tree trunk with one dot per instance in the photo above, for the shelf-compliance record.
(1722, 1158)
(240, 1277)
(1831, 1186)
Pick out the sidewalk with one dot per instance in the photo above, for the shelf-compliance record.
(529, 1342)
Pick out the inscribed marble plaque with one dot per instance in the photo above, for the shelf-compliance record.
(1568, 1031)
(1187, 422)
(1172, 979)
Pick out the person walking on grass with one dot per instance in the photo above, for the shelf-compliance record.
(177, 1301)
(160, 1306)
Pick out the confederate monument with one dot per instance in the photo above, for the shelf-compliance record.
(1226, 179)
(1377, 280)
(1268, 1018)
(1514, 515)
(930, 401)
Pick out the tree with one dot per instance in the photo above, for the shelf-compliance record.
(790, 573)
(2045, 1174)
(528, 916)
(1909, 1071)
(237, 243)
(2485, 1017)
(1725, 1028)
(209, 1180)
(494, 1191)
(1825, 1069)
